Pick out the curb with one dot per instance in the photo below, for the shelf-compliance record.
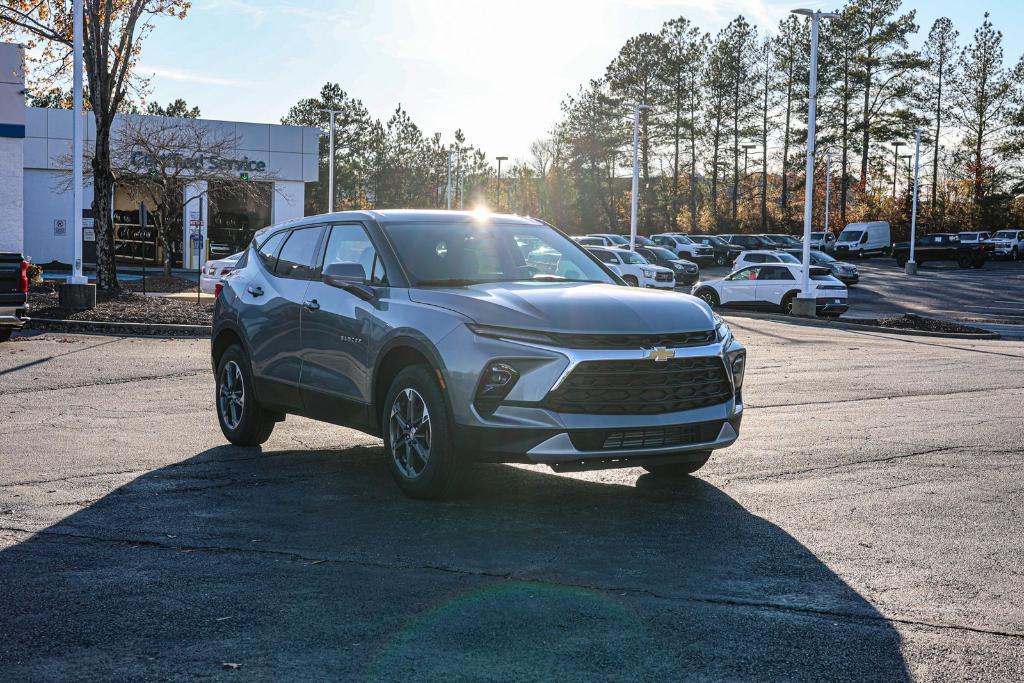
(118, 328)
(841, 325)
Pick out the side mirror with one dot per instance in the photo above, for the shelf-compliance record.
(351, 277)
(344, 274)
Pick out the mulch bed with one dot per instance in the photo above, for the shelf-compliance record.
(909, 321)
(125, 307)
(161, 283)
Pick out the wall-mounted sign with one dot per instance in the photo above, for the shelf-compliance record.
(60, 227)
(201, 162)
(88, 235)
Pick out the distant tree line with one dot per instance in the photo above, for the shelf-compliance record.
(723, 145)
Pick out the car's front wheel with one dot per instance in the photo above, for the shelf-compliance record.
(242, 419)
(417, 437)
(5, 333)
(631, 280)
(965, 260)
(901, 261)
(721, 260)
(679, 469)
(709, 296)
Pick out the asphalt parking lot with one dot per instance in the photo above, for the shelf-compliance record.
(991, 297)
(866, 526)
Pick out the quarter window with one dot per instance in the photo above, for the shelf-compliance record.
(298, 255)
(268, 250)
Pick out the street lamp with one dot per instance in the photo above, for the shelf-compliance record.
(77, 277)
(805, 304)
(330, 161)
(448, 190)
(498, 201)
(634, 203)
(911, 267)
(895, 166)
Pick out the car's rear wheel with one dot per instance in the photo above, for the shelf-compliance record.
(5, 333)
(710, 297)
(787, 303)
(631, 280)
(242, 419)
(417, 437)
(721, 260)
(679, 469)
(901, 261)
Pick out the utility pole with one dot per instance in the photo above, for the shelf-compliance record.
(635, 199)
(911, 267)
(805, 304)
(895, 166)
(497, 206)
(77, 276)
(448, 192)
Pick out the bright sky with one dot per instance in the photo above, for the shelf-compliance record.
(498, 69)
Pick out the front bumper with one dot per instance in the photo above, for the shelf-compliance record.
(687, 278)
(848, 279)
(524, 428)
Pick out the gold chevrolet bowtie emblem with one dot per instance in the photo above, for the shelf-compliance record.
(660, 354)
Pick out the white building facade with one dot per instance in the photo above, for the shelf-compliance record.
(36, 201)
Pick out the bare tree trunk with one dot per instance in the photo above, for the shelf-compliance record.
(102, 208)
(676, 132)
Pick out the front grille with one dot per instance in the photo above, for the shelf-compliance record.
(641, 387)
(664, 277)
(654, 437)
(676, 340)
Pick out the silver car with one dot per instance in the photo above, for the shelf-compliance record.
(459, 337)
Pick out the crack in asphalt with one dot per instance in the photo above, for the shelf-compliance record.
(104, 382)
(511, 576)
(838, 466)
(939, 394)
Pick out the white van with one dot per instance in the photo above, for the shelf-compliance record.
(864, 239)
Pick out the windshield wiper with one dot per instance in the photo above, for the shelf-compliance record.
(451, 282)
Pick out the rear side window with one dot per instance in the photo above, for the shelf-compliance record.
(268, 250)
(298, 255)
(605, 256)
(775, 273)
(755, 258)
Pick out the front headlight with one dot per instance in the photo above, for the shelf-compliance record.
(722, 330)
(647, 273)
(511, 334)
(737, 365)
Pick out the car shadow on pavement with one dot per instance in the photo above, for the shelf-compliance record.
(311, 565)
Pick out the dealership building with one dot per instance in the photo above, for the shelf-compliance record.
(214, 218)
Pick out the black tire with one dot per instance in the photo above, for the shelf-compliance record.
(787, 303)
(443, 471)
(860, 254)
(679, 469)
(721, 260)
(965, 260)
(901, 261)
(979, 263)
(630, 280)
(254, 423)
(1015, 254)
(5, 333)
(709, 296)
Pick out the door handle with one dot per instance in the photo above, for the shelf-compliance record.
(255, 291)
(311, 305)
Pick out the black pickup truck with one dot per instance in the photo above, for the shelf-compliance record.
(13, 293)
(943, 247)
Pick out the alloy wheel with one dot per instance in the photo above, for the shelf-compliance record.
(231, 397)
(409, 430)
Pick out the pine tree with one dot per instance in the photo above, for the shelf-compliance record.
(940, 50)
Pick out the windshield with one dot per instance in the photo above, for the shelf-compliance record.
(466, 253)
(850, 235)
(821, 257)
(968, 236)
(1006, 234)
(683, 239)
(788, 258)
(712, 240)
(617, 239)
(663, 253)
(631, 257)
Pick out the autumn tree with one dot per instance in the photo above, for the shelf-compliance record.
(791, 47)
(940, 51)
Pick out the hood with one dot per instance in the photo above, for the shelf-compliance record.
(572, 307)
(656, 268)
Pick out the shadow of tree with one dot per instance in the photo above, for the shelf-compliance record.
(311, 565)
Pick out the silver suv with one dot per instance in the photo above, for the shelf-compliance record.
(459, 337)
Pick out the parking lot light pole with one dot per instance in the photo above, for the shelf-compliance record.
(448, 191)
(497, 206)
(895, 167)
(805, 304)
(828, 191)
(911, 267)
(634, 202)
(330, 162)
(77, 276)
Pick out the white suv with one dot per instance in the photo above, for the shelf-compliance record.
(1008, 243)
(774, 286)
(750, 258)
(634, 268)
(684, 247)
